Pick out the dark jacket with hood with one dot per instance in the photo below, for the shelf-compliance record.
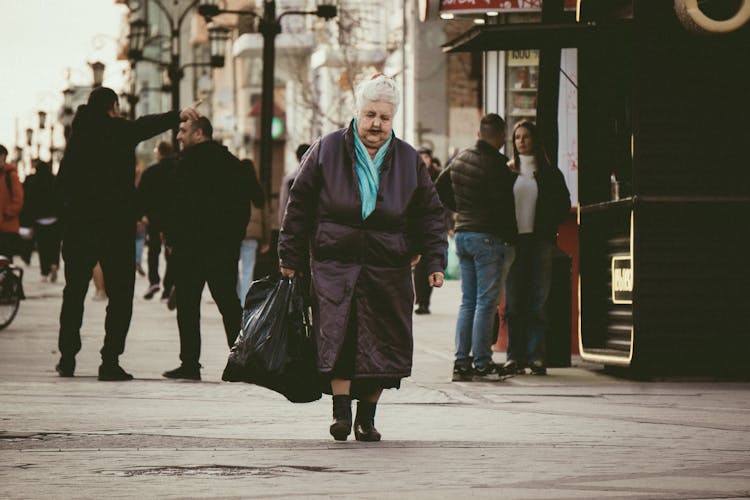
(96, 180)
(479, 186)
(362, 265)
(211, 204)
(154, 192)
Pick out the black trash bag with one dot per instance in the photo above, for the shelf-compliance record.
(275, 348)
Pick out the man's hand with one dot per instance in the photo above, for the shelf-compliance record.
(436, 280)
(264, 248)
(287, 273)
(191, 112)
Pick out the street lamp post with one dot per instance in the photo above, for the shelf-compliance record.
(138, 40)
(269, 27)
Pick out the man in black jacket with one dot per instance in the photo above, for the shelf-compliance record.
(479, 186)
(153, 193)
(211, 211)
(96, 185)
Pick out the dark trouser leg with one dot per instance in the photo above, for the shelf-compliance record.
(189, 282)
(222, 281)
(118, 267)
(48, 245)
(80, 253)
(9, 244)
(422, 287)
(169, 274)
(41, 235)
(154, 249)
(517, 300)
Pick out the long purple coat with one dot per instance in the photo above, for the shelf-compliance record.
(362, 263)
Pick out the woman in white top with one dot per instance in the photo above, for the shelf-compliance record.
(542, 202)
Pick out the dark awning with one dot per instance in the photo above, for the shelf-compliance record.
(532, 36)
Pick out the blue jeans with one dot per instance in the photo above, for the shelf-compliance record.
(526, 298)
(247, 266)
(483, 259)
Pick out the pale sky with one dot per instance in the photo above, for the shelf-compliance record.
(39, 40)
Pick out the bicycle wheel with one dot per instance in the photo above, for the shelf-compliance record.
(10, 297)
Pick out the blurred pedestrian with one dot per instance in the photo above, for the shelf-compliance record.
(257, 233)
(542, 203)
(11, 204)
(478, 186)
(97, 188)
(288, 180)
(422, 288)
(207, 223)
(362, 209)
(154, 196)
(42, 211)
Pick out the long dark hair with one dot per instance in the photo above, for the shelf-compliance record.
(540, 153)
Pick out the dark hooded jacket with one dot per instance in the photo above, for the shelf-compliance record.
(211, 200)
(96, 180)
(365, 264)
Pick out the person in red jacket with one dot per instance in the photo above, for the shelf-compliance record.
(11, 203)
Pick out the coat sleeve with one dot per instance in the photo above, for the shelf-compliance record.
(444, 188)
(561, 197)
(427, 223)
(16, 200)
(257, 196)
(148, 126)
(299, 219)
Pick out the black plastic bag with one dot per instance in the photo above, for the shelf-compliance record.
(275, 348)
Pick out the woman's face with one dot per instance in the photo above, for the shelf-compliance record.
(523, 141)
(374, 123)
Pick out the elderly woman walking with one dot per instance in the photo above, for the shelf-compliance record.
(361, 210)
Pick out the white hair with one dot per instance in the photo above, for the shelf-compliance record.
(379, 88)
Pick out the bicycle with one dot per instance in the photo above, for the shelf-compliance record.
(11, 291)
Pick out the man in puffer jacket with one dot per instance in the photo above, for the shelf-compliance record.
(479, 186)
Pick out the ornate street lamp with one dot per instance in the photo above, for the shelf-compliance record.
(218, 36)
(137, 39)
(97, 67)
(269, 27)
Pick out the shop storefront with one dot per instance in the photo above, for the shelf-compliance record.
(662, 180)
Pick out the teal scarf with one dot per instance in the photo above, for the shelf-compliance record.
(368, 172)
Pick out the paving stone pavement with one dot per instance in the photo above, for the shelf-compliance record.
(577, 433)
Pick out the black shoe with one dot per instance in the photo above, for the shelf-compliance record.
(151, 291)
(184, 372)
(66, 366)
(511, 367)
(113, 373)
(422, 310)
(364, 424)
(538, 368)
(172, 299)
(486, 370)
(462, 371)
(342, 417)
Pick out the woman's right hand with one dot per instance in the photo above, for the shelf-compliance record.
(287, 273)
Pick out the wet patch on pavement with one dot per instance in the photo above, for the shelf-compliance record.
(227, 471)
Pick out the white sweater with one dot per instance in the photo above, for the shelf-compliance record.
(525, 192)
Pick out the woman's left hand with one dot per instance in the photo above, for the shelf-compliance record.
(436, 280)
